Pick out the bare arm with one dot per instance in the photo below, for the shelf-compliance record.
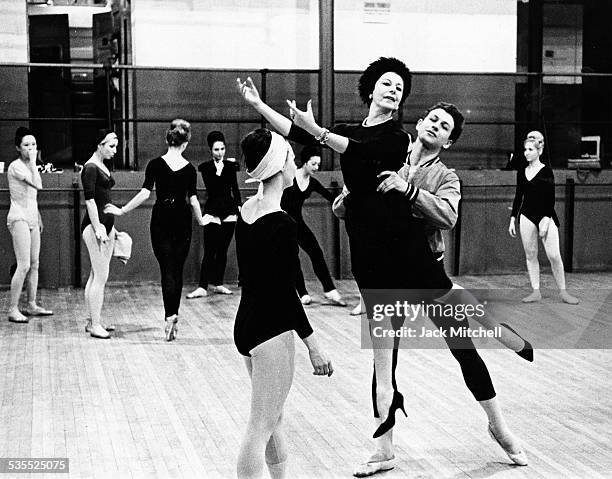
(135, 202)
(197, 211)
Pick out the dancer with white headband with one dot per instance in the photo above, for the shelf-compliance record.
(267, 250)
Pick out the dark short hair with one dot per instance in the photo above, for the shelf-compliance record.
(178, 133)
(378, 68)
(213, 137)
(454, 112)
(255, 146)
(308, 152)
(20, 133)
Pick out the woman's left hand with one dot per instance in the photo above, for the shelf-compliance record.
(543, 227)
(111, 209)
(321, 364)
(392, 182)
(304, 119)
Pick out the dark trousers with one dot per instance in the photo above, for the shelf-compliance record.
(474, 370)
(171, 239)
(308, 242)
(217, 239)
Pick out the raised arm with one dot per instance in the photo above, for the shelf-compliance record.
(250, 94)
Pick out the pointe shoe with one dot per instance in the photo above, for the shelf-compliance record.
(99, 332)
(518, 458)
(373, 467)
(108, 327)
(199, 292)
(17, 317)
(387, 424)
(335, 298)
(222, 290)
(568, 298)
(534, 297)
(527, 352)
(306, 299)
(171, 328)
(36, 310)
(356, 311)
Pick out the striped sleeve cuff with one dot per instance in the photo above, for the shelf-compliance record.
(412, 192)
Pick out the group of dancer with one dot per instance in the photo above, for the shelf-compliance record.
(398, 197)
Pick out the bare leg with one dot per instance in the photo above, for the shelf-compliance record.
(529, 237)
(271, 367)
(20, 232)
(551, 246)
(33, 274)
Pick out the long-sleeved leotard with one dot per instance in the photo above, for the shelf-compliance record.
(535, 198)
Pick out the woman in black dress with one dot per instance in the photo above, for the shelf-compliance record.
(267, 249)
(389, 249)
(534, 201)
(292, 202)
(220, 214)
(174, 179)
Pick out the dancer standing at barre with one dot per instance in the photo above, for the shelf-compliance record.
(292, 202)
(25, 225)
(174, 179)
(267, 248)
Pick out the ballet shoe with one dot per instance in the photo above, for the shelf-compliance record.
(306, 299)
(527, 352)
(171, 328)
(108, 327)
(199, 292)
(221, 290)
(374, 467)
(17, 317)
(99, 332)
(387, 424)
(534, 297)
(356, 311)
(518, 458)
(335, 298)
(36, 310)
(568, 298)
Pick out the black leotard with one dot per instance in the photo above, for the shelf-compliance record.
(97, 186)
(267, 253)
(293, 197)
(535, 198)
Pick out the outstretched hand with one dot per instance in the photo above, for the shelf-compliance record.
(248, 90)
(303, 119)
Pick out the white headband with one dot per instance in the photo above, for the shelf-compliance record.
(272, 162)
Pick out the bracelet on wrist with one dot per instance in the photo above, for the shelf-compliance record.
(323, 137)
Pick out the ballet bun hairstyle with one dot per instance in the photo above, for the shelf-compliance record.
(178, 133)
(536, 143)
(378, 68)
(308, 152)
(255, 146)
(102, 136)
(213, 137)
(20, 133)
(455, 113)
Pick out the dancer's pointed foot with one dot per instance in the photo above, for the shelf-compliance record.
(378, 462)
(171, 327)
(568, 298)
(199, 292)
(533, 297)
(306, 299)
(527, 352)
(356, 311)
(335, 297)
(510, 445)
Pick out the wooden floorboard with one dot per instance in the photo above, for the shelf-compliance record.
(137, 407)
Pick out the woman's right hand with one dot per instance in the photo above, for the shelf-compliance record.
(321, 364)
(512, 228)
(100, 232)
(32, 156)
(111, 209)
(249, 92)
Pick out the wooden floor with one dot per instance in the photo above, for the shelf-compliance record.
(136, 406)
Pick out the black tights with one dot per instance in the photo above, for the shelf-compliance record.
(171, 240)
(308, 242)
(474, 370)
(217, 239)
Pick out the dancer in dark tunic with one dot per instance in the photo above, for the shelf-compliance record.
(534, 203)
(292, 202)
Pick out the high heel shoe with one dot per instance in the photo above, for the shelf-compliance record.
(171, 328)
(527, 352)
(387, 424)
